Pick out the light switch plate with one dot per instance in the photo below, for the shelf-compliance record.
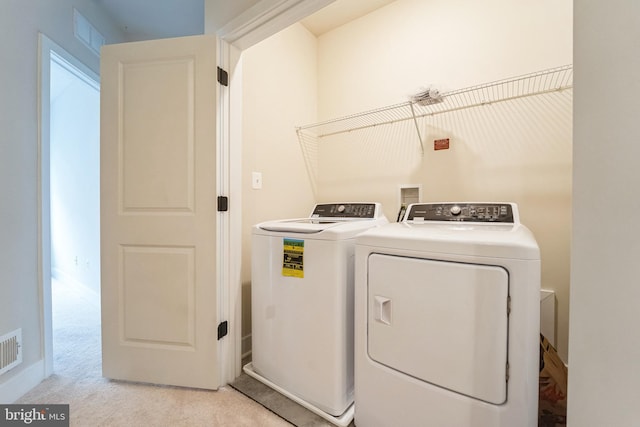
(256, 180)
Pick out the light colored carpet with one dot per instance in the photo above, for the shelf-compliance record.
(96, 401)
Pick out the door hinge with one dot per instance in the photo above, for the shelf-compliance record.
(223, 203)
(508, 306)
(223, 77)
(223, 329)
(507, 372)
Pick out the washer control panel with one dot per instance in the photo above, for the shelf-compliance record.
(345, 210)
(462, 212)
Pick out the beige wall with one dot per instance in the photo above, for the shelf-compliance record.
(518, 151)
(279, 92)
(384, 56)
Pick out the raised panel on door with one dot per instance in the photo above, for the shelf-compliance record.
(158, 126)
(152, 318)
(158, 211)
(441, 322)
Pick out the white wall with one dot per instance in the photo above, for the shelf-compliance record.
(279, 92)
(21, 20)
(518, 151)
(604, 369)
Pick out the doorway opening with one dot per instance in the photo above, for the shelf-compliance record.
(70, 211)
(74, 141)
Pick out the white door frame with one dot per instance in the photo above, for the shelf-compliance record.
(263, 19)
(255, 24)
(46, 50)
(229, 181)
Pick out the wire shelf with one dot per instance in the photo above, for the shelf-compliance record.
(554, 79)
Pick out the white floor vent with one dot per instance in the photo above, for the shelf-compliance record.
(10, 350)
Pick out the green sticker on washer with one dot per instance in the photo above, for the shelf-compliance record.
(293, 258)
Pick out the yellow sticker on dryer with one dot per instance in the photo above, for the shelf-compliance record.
(293, 258)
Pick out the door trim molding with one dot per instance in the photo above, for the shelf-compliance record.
(266, 18)
(255, 24)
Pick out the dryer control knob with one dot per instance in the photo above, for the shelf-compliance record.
(455, 210)
(341, 208)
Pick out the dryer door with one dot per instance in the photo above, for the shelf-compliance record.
(444, 323)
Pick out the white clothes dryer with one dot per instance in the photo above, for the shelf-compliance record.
(302, 305)
(447, 319)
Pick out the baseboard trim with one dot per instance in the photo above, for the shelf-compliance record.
(18, 385)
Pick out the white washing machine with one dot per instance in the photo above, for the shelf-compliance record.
(302, 305)
(447, 319)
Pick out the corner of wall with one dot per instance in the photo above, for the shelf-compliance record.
(19, 384)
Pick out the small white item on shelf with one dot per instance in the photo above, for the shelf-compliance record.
(427, 96)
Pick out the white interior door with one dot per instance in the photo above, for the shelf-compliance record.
(158, 212)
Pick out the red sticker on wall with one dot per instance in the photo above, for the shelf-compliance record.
(441, 144)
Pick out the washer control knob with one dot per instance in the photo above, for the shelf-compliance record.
(341, 208)
(455, 210)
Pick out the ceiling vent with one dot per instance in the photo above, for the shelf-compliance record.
(87, 33)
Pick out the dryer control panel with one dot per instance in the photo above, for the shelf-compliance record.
(346, 210)
(462, 212)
